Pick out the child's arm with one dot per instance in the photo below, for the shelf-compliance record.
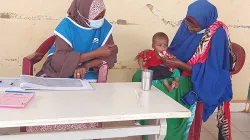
(140, 62)
(144, 56)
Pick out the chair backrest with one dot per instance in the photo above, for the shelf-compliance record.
(240, 55)
(46, 45)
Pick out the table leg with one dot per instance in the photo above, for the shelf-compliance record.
(99, 126)
(163, 129)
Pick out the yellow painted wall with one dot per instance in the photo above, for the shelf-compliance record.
(24, 24)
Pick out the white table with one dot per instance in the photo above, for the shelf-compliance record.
(109, 102)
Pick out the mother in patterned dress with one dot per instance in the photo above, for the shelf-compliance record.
(83, 43)
(202, 49)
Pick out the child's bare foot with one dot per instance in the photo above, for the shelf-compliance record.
(169, 87)
(175, 84)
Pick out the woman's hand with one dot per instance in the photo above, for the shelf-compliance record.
(144, 53)
(173, 62)
(176, 63)
(79, 73)
(106, 50)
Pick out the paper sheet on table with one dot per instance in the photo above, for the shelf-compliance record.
(40, 83)
(12, 100)
(5, 84)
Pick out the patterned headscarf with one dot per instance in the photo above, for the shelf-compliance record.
(87, 8)
(96, 8)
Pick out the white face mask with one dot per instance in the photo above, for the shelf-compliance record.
(202, 31)
(93, 23)
(96, 23)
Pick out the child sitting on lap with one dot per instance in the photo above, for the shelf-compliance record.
(153, 60)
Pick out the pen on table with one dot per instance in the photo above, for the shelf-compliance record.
(12, 83)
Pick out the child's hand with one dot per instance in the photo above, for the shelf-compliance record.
(144, 53)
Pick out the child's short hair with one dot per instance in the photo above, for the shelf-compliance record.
(160, 35)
